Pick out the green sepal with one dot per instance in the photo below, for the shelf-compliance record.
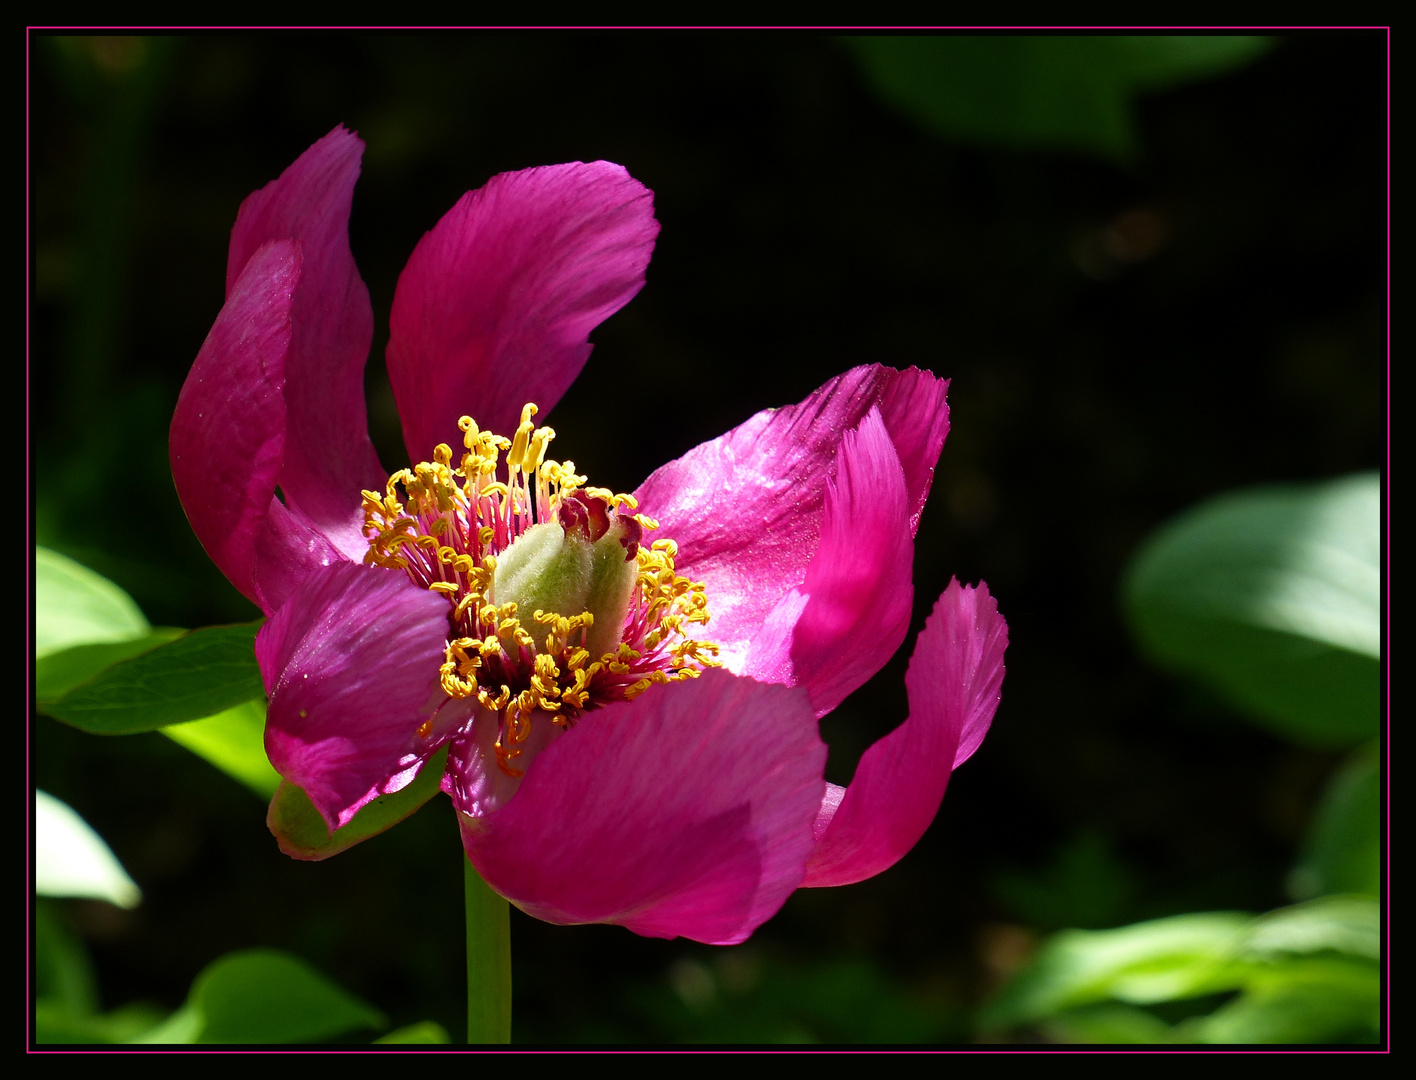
(302, 833)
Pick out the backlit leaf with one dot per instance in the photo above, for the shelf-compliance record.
(75, 606)
(233, 741)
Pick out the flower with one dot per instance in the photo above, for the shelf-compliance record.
(633, 734)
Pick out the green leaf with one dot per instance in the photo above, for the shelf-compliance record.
(72, 860)
(1325, 1000)
(1344, 848)
(264, 996)
(63, 972)
(59, 672)
(53, 1024)
(1114, 1024)
(427, 1031)
(1182, 956)
(1032, 92)
(75, 606)
(302, 833)
(1344, 924)
(199, 674)
(1306, 973)
(182, 1027)
(233, 741)
(1272, 597)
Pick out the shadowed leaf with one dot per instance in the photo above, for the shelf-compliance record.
(1272, 597)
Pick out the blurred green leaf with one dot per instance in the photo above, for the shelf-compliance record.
(66, 995)
(75, 606)
(1182, 956)
(264, 996)
(233, 741)
(1115, 1024)
(1332, 999)
(182, 1027)
(1030, 92)
(70, 859)
(1305, 973)
(303, 834)
(53, 1024)
(426, 1032)
(1272, 596)
(1344, 847)
(1345, 924)
(63, 973)
(59, 672)
(197, 675)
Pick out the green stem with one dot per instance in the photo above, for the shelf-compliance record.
(488, 961)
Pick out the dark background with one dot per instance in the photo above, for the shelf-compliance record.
(1124, 339)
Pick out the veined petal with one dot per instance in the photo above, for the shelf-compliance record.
(288, 549)
(351, 666)
(687, 812)
(953, 681)
(328, 456)
(747, 508)
(496, 305)
(228, 437)
(840, 626)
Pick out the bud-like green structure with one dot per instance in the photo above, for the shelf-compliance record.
(582, 562)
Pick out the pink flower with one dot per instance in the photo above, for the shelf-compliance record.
(653, 761)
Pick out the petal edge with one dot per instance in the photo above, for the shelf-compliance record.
(496, 304)
(684, 812)
(953, 680)
(351, 666)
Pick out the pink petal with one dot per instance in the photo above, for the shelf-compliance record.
(351, 666)
(686, 811)
(227, 441)
(747, 508)
(328, 456)
(840, 626)
(953, 681)
(474, 779)
(288, 549)
(495, 306)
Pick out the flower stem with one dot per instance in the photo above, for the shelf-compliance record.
(488, 961)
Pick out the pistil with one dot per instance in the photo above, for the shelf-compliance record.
(556, 605)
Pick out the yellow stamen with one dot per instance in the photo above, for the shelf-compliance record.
(445, 525)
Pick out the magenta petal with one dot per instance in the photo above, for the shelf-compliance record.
(687, 812)
(227, 441)
(857, 589)
(351, 666)
(746, 509)
(495, 306)
(953, 681)
(328, 456)
(288, 549)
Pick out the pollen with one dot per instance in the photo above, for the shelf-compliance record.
(447, 526)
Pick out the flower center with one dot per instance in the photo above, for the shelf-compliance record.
(556, 605)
